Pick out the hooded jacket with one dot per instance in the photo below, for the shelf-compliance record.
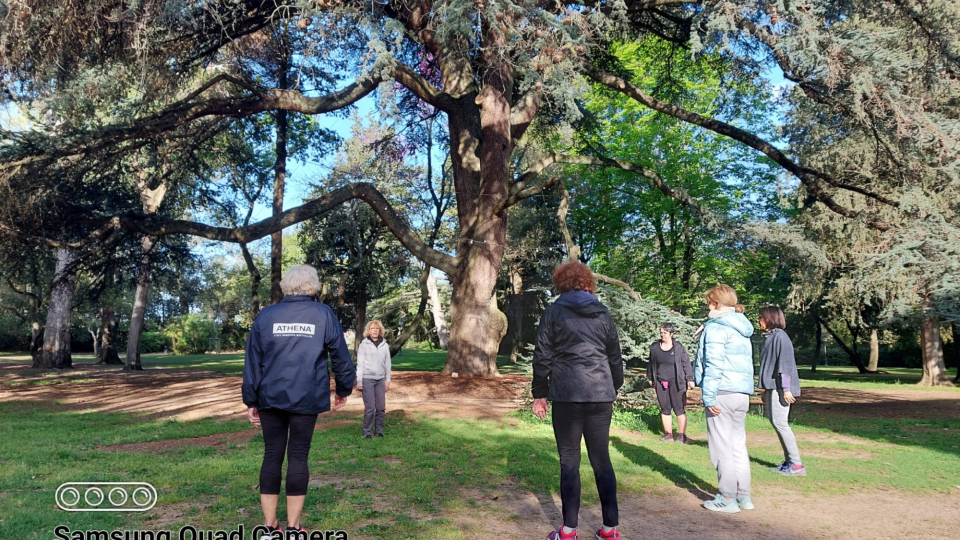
(577, 355)
(725, 357)
(373, 361)
(286, 359)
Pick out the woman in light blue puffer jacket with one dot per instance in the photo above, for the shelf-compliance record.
(724, 371)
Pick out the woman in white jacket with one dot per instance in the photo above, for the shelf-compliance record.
(373, 377)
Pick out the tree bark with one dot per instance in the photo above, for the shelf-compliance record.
(56, 339)
(139, 305)
(874, 350)
(36, 342)
(436, 308)
(360, 307)
(108, 338)
(934, 370)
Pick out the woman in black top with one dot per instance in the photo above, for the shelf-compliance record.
(670, 372)
(577, 365)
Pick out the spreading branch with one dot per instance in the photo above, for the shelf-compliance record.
(813, 187)
(154, 226)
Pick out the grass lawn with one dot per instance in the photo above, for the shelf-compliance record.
(410, 484)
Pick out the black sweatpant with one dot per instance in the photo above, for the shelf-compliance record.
(573, 422)
(291, 433)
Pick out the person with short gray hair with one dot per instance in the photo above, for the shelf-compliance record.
(286, 385)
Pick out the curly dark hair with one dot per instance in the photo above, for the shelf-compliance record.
(574, 276)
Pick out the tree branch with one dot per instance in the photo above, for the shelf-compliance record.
(524, 111)
(616, 83)
(422, 88)
(153, 226)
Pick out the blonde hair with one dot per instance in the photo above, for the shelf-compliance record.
(378, 324)
(300, 280)
(724, 295)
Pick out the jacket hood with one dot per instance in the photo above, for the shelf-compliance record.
(737, 321)
(581, 302)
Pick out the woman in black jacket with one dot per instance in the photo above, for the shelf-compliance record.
(286, 385)
(577, 365)
(670, 372)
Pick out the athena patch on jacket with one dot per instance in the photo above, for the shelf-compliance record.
(293, 329)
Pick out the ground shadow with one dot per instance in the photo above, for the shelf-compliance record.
(683, 478)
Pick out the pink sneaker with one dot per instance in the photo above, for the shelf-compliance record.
(612, 535)
(560, 535)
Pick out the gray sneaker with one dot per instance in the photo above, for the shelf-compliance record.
(667, 438)
(723, 505)
(682, 439)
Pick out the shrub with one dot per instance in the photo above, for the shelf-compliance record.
(190, 334)
(154, 342)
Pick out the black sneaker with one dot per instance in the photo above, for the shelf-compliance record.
(296, 533)
(380, 435)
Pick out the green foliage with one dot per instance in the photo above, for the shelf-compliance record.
(154, 342)
(190, 334)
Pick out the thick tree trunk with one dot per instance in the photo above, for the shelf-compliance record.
(934, 370)
(108, 338)
(56, 339)
(439, 319)
(874, 350)
(139, 305)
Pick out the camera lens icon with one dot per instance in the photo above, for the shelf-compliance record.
(106, 496)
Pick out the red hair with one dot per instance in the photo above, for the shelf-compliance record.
(574, 276)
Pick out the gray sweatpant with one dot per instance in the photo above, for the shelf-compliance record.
(374, 404)
(727, 441)
(778, 411)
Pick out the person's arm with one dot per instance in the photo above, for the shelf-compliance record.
(713, 346)
(344, 372)
(252, 368)
(388, 365)
(786, 366)
(651, 370)
(543, 357)
(684, 359)
(614, 353)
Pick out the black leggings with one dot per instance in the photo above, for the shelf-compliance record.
(276, 426)
(590, 422)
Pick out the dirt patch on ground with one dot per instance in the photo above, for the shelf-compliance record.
(881, 403)
(513, 513)
(192, 394)
(210, 441)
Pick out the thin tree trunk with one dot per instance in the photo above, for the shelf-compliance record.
(956, 349)
(361, 309)
(108, 339)
(852, 353)
(819, 347)
(139, 305)
(414, 325)
(36, 342)
(254, 280)
(436, 308)
(280, 175)
(874, 350)
(56, 339)
(934, 370)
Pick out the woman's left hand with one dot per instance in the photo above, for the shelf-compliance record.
(714, 410)
(690, 385)
(254, 416)
(541, 408)
(387, 387)
(788, 397)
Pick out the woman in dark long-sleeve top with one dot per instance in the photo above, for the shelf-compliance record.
(577, 365)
